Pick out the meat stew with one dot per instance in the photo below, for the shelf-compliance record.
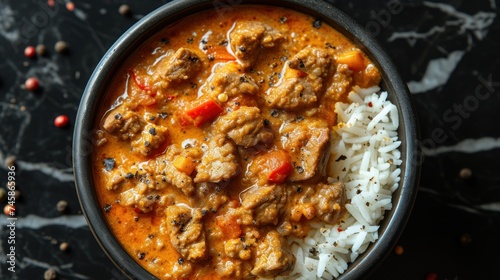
(214, 141)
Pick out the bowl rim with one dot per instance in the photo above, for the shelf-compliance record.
(403, 199)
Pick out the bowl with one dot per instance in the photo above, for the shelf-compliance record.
(391, 226)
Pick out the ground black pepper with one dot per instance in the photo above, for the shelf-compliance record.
(107, 208)
(109, 164)
(317, 23)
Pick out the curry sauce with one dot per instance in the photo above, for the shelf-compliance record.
(214, 138)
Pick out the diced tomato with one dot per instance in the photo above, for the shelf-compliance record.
(281, 166)
(353, 59)
(206, 111)
(229, 226)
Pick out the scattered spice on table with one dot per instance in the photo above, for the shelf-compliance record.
(8, 209)
(465, 173)
(61, 121)
(124, 10)
(10, 161)
(32, 84)
(29, 52)
(398, 250)
(41, 50)
(50, 274)
(70, 6)
(64, 246)
(61, 47)
(62, 206)
(17, 194)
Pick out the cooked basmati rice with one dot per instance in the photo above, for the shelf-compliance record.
(366, 158)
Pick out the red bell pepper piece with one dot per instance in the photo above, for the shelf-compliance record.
(206, 111)
(281, 166)
(137, 82)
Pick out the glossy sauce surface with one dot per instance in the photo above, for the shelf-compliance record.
(145, 128)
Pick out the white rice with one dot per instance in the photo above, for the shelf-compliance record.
(365, 157)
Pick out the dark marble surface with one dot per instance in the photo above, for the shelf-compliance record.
(446, 51)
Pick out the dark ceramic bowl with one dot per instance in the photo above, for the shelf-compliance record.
(403, 199)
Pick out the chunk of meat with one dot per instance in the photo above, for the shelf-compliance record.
(151, 138)
(140, 184)
(342, 81)
(185, 230)
(229, 79)
(324, 201)
(330, 201)
(314, 61)
(291, 94)
(116, 178)
(172, 175)
(139, 196)
(210, 195)
(249, 37)
(273, 257)
(229, 268)
(181, 270)
(308, 144)
(123, 123)
(183, 65)
(266, 203)
(245, 126)
(236, 248)
(304, 80)
(219, 162)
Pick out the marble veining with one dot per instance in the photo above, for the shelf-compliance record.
(437, 73)
(466, 146)
(63, 269)
(37, 222)
(438, 70)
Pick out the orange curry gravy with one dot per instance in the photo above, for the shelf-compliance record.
(213, 141)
